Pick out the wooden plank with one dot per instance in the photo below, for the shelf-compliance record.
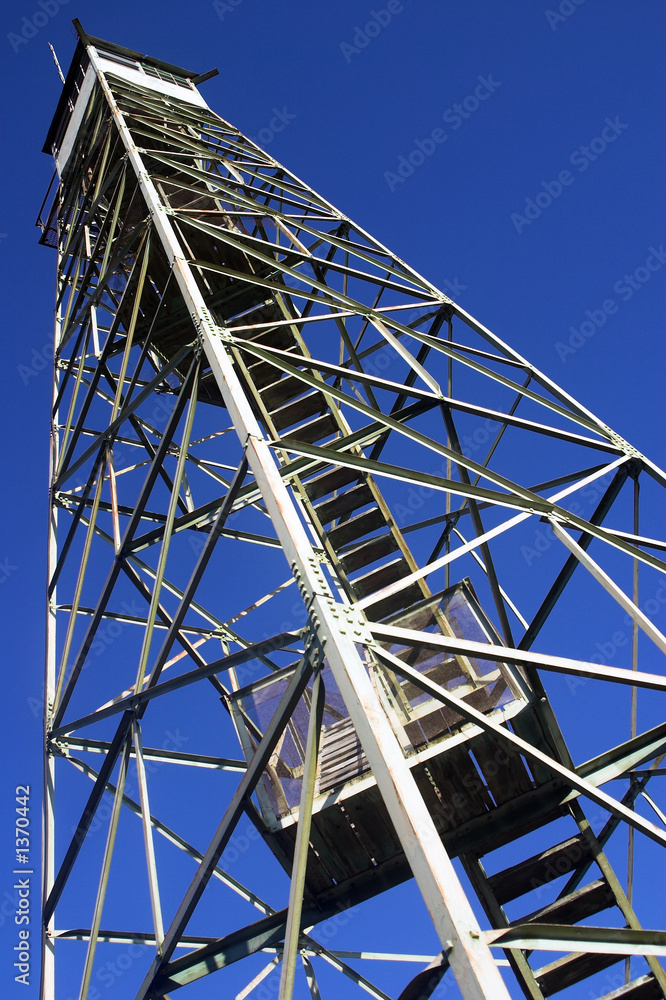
(345, 503)
(382, 577)
(503, 769)
(370, 817)
(333, 479)
(331, 860)
(282, 390)
(298, 410)
(527, 725)
(317, 879)
(315, 430)
(280, 337)
(431, 796)
(570, 970)
(464, 796)
(355, 528)
(584, 902)
(540, 869)
(644, 988)
(388, 606)
(369, 551)
(340, 841)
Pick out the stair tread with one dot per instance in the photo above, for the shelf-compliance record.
(643, 988)
(280, 337)
(282, 390)
(298, 410)
(356, 527)
(571, 969)
(540, 869)
(396, 602)
(331, 480)
(352, 499)
(576, 906)
(379, 578)
(315, 430)
(369, 551)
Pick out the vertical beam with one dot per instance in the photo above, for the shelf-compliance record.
(228, 822)
(301, 847)
(633, 719)
(148, 838)
(104, 875)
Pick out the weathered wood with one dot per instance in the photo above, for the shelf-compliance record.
(356, 527)
(463, 794)
(571, 969)
(389, 605)
(341, 838)
(371, 582)
(370, 816)
(316, 430)
(282, 390)
(540, 869)
(342, 852)
(504, 771)
(345, 503)
(334, 478)
(298, 410)
(369, 552)
(317, 878)
(584, 902)
(644, 988)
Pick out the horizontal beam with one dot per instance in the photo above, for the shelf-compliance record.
(598, 940)
(283, 358)
(151, 753)
(522, 657)
(133, 701)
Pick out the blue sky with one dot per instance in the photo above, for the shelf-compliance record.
(513, 154)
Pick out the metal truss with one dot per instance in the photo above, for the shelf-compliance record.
(277, 543)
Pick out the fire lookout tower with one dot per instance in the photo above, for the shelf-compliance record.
(247, 389)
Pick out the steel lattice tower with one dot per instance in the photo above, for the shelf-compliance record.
(249, 393)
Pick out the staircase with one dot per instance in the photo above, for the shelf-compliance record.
(590, 889)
